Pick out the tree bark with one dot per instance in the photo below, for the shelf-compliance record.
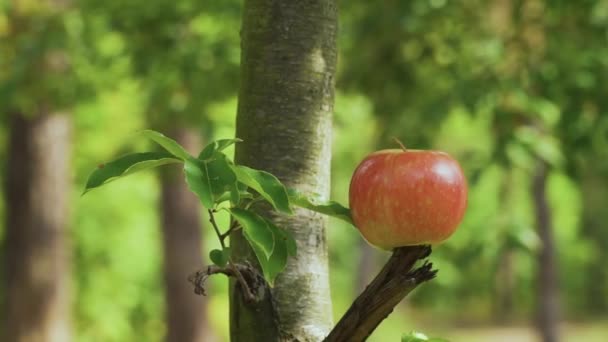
(548, 301)
(182, 243)
(396, 280)
(37, 259)
(284, 117)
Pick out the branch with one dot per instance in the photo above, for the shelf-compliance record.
(395, 281)
(250, 280)
(199, 278)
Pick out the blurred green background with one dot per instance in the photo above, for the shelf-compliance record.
(516, 90)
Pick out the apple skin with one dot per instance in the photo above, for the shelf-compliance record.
(407, 197)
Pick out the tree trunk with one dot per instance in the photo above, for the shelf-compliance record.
(505, 281)
(505, 287)
(181, 223)
(548, 301)
(37, 256)
(594, 196)
(284, 117)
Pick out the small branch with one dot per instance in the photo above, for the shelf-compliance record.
(233, 227)
(235, 271)
(395, 281)
(215, 227)
(249, 297)
(239, 271)
(199, 278)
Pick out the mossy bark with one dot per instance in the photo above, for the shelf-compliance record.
(284, 117)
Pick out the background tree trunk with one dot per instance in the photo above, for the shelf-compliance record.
(38, 189)
(548, 305)
(594, 228)
(366, 268)
(505, 282)
(284, 117)
(182, 239)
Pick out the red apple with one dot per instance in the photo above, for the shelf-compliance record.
(402, 197)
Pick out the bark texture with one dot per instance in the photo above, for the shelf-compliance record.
(548, 305)
(284, 117)
(182, 241)
(38, 188)
(395, 281)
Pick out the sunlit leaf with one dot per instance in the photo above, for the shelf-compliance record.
(168, 144)
(281, 236)
(127, 165)
(197, 178)
(414, 336)
(216, 146)
(255, 229)
(284, 247)
(330, 208)
(267, 185)
(235, 195)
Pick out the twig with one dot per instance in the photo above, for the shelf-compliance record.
(233, 227)
(238, 271)
(216, 228)
(249, 297)
(389, 287)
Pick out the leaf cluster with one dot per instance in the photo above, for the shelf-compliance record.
(220, 184)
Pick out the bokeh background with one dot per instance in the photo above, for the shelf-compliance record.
(516, 90)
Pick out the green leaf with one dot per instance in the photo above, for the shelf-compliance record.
(227, 196)
(220, 257)
(414, 336)
(271, 245)
(330, 208)
(284, 237)
(267, 185)
(168, 144)
(197, 178)
(216, 146)
(255, 229)
(127, 165)
(284, 246)
(223, 178)
(221, 170)
(235, 195)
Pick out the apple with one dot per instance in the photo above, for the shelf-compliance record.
(402, 197)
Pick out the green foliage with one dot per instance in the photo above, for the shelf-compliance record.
(330, 208)
(216, 146)
(127, 165)
(267, 185)
(415, 336)
(168, 144)
(220, 257)
(214, 179)
(199, 182)
(270, 244)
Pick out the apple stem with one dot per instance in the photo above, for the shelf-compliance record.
(400, 143)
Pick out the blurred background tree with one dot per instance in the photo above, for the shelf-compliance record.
(514, 89)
